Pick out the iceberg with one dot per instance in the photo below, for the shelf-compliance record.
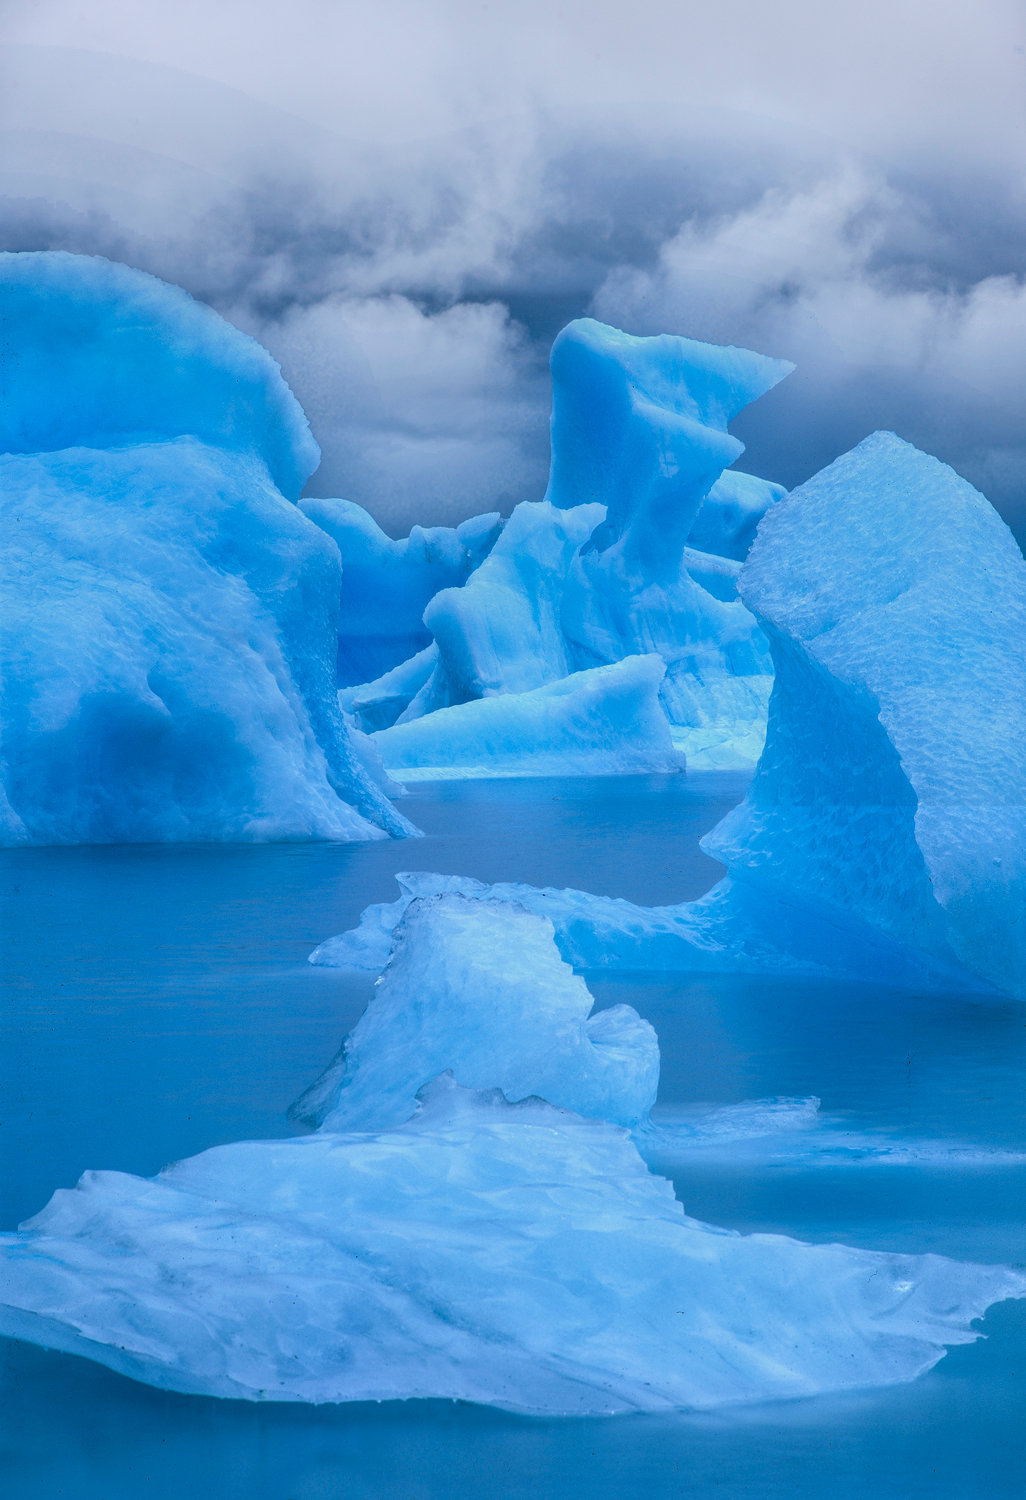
(167, 614)
(641, 424)
(387, 584)
(502, 632)
(634, 551)
(534, 1034)
(482, 1249)
(733, 929)
(728, 516)
(603, 722)
(891, 795)
(883, 836)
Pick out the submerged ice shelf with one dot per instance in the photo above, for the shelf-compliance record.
(449, 1242)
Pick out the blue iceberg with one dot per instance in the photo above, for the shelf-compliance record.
(433, 1240)
(603, 722)
(534, 1034)
(884, 833)
(634, 551)
(168, 615)
(387, 584)
(891, 796)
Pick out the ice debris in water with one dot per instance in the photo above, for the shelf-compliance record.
(884, 833)
(635, 550)
(479, 989)
(507, 1253)
(167, 614)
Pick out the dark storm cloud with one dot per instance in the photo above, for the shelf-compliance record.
(410, 290)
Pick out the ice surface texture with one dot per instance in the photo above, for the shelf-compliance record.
(168, 617)
(508, 1253)
(479, 989)
(634, 551)
(892, 790)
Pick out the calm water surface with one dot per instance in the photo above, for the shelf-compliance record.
(158, 1001)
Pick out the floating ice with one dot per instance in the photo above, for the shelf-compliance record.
(891, 795)
(884, 833)
(794, 1133)
(502, 632)
(605, 722)
(167, 615)
(479, 990)
(729, 514)
(641, 424)
(387, 584)
(634, 551)
(498, 1252)
(506, 1254)
(734, 929)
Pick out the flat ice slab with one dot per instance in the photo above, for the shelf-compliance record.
(506, 1254)
(602, 722)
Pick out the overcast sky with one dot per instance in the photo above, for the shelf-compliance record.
(405, 201)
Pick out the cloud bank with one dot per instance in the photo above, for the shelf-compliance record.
(410, 289)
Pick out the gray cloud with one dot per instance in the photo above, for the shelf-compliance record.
(410, 290)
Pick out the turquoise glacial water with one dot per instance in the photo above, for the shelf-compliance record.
(157, 1001)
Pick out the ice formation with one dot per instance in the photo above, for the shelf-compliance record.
(501, 632)
(884, 833)
(478, 989)
(387, 584)
(734, 929)
(508, 1253)
(168, 614)
(634, 551)
(604, 722)
(891, 795)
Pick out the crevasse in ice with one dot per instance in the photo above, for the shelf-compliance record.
(634, 551)
(168, 615)
(884, 833)
(509, 1253)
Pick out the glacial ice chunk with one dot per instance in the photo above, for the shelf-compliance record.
(730, 512)
(387, 584)
(167, 616)
(435, 1241)
(640, 425)
(892, 790)
(97, 355)
(502, 631)
(634, 551)
(606, 722)
(508, 1254)
(478, 989)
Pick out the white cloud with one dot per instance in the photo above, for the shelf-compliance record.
(425, 416)
(813, 276)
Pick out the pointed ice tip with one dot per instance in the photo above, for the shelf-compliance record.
(710, 382)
